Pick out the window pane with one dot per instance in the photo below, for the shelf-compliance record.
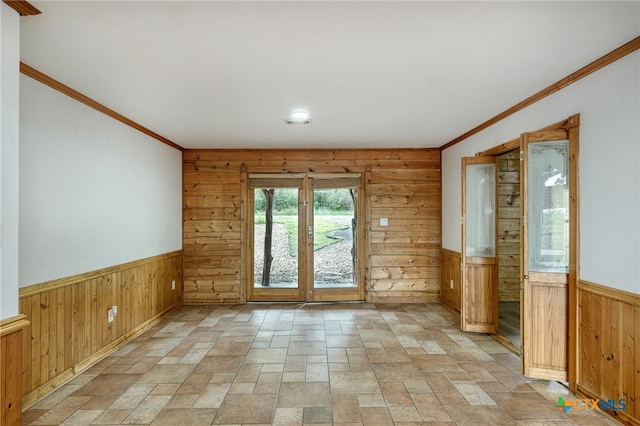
(281, 244)
(334, 237)
(548, 206)
(480, 199)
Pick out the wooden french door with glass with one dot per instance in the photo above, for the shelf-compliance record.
(546, 255)
(304, 232)
(479, 298)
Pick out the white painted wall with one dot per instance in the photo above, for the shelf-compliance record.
(94, 192)
(9, 98)
(609, 105)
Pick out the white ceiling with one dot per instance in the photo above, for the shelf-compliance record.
(211, 74)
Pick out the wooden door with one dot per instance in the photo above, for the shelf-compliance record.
(479, 304)
(546, 254)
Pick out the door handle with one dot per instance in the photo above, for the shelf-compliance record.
(526, 277)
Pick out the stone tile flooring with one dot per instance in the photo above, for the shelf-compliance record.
(347, 364)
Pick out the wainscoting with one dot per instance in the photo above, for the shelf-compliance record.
(609, 347)
(451, 280)
(11, 330)
(69, 327)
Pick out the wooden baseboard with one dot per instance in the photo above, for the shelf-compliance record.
(403, 298)
(620, 416)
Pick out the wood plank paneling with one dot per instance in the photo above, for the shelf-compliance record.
(403, 185)
(450, 286)
(509, 226)
(608, 347)
(11, 330)
(68, 328)
(478, 297)
(404, 192)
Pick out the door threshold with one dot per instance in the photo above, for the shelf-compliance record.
(506, 343)
(338, 302)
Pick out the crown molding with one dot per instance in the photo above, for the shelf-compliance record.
(594, 66)
(24, 8)
(45, 79)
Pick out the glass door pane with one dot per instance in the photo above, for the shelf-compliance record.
(548, 206)
(334, 237)
(479, 293)
(276, 238)
(480, 214)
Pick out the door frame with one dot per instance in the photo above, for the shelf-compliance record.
(252, 293)
(333, 294)
(305, 292)
(572, 126)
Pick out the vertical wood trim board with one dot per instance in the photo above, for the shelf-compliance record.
(69, 328)
(10, 368)
(609, 347)
(451, 273)
(402, 260)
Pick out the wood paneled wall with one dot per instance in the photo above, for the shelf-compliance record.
(402, 259)
(10, 368)
(450, 289)
(68, 328)
(509, 226)
(609, 347)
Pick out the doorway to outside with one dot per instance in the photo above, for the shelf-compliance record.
(304, 232)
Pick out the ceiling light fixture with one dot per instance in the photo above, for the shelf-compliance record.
(298, 117)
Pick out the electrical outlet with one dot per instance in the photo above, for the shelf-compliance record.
(384, 221)
(110, 315)
(451, 284)
(173, 285)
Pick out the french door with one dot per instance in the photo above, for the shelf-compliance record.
(546, 253)
(479, 298)
(549, 213)
(304, 234)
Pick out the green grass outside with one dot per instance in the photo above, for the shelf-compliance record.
(320, 237)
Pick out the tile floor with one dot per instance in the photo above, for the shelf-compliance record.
(347, 364)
